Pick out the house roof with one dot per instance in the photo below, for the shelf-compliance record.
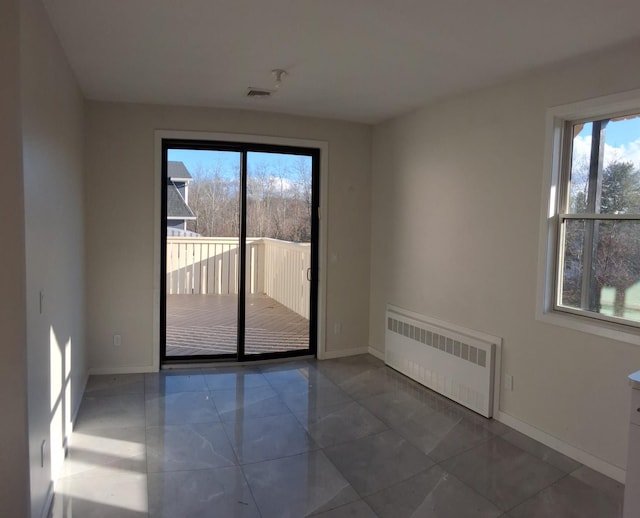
(177, 208)
(177, 171)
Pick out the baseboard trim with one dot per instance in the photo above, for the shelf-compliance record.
(375, 352)
(328, 355)
(74, 415)
(46, 510)
(96, 371)
(581, 456)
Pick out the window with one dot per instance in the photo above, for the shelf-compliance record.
(597, 271)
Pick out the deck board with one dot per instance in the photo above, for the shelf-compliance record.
(206, 324)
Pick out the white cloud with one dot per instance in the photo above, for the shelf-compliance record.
(624, 153)
(280, 184)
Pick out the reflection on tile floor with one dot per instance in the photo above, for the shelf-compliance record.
(338, 438)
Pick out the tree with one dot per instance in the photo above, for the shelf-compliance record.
(213, 198)
(620, 189)
(278, 201)
(618, 244)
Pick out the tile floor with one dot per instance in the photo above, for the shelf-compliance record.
(337, 438)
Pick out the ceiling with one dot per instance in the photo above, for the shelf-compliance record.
(357, 60)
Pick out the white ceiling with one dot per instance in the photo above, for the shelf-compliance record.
(358, 60)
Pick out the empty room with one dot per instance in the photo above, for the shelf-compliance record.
(285, 259)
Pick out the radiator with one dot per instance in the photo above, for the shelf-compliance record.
(455, 362)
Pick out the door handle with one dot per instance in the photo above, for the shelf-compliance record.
(309, 274)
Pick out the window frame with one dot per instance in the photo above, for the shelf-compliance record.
(554, 211)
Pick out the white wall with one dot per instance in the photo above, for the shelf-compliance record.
(14, 476)
(456, 201)
(52, 123)
(120, 187)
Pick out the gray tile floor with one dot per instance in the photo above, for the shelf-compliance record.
(337, 438)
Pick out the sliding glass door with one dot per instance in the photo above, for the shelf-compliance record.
(278, 266)
(240, 257)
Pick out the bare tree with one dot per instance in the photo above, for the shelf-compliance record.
(278, 203)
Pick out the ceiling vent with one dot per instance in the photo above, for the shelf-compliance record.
(259, 93)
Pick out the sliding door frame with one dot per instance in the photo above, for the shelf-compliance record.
(245, 144)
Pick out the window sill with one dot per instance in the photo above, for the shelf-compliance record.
(591, 326)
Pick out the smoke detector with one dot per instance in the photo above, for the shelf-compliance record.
(279, 74)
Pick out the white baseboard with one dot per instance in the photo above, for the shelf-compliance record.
(577, 454)
(94, 371)
(46, 510)
(375, 352)
(74, 414)
(328, 355)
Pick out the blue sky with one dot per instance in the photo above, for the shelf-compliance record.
(228, 162)
(622, 142)
(618, 133)
(623, 132)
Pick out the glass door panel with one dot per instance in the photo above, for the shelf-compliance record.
(278, 252)
(202, 252)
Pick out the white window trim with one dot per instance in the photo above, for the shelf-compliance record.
(556, 118)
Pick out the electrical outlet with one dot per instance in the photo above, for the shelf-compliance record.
(117, 340)
(508, 382)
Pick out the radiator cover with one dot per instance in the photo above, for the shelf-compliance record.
(456, 362)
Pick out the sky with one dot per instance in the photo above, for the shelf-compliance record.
(280, 166)
(622, 142)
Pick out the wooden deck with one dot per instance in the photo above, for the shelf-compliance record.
(207, 324)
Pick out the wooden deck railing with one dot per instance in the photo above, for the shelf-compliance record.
(209, 265)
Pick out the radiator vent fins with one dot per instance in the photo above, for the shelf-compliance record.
(446, 344)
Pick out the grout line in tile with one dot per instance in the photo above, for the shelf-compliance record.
(476, 492)
(537, 493)
(255, 502)
(484, 441)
